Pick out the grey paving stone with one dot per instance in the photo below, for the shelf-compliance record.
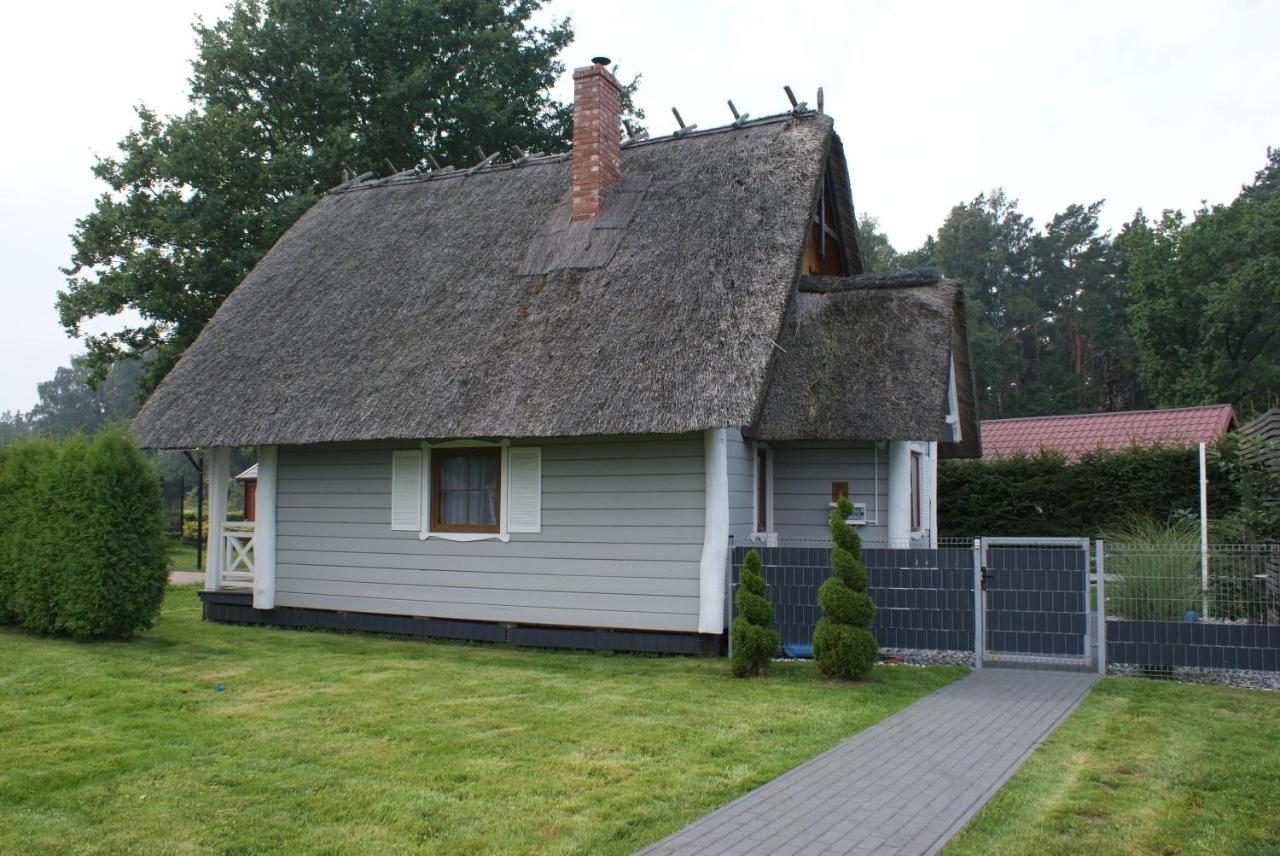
(906, 784)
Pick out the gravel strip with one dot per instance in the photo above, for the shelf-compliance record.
(1243, 678)
(927, 657)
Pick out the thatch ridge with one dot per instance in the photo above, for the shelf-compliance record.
(400, 310)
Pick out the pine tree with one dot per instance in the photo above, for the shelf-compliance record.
(842, 645)
(754, 644)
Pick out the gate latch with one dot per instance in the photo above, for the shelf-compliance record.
(984, 577)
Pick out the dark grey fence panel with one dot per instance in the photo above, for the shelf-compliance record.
(1197, 645)
(1036, 600)
(923, 598)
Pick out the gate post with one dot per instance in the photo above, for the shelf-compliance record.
(1101, 592)
(978, 630)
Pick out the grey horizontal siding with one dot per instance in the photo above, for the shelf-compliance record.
(621, 539)
(741, 487)
(802, 477)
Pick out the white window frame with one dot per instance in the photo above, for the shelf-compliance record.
(770, 536)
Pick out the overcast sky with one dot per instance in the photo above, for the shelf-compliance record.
(1153, 105)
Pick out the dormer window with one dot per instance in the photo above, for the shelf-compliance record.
(822, 252)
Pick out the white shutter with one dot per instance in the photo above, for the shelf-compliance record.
(406, 491)
(524, 489)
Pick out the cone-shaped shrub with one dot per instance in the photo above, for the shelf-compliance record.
(842, 645)
(754, 644)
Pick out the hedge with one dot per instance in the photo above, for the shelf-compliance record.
(1045, 495)
(82, 547)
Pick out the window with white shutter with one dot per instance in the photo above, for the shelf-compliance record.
(524, 489)
(406, 491)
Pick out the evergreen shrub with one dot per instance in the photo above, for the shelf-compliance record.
(82, 547)
(754, 644)
(1044, 495)
(842, 645)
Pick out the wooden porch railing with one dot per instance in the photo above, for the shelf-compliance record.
(237, 555)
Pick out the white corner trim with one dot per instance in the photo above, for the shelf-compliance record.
(264, 531)
(899, 524)
(953, 403)
(715, 533)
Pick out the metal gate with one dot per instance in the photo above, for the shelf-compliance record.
(1033, 597)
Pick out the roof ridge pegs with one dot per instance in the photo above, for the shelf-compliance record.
(739, 119)
(797, 107)
(684, 129)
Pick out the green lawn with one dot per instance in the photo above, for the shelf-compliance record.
(1144, 767)
(182, 557)
(327, 743)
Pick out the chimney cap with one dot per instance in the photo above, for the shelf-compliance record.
(600, 60)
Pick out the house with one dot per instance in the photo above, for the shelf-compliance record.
(1077, 434)
(535, 401)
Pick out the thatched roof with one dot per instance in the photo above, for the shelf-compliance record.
(464, 305)
(869, 358)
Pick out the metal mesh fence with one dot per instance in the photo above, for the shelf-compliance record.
(1174, 609)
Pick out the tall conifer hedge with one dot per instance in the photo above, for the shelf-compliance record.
(82, 548)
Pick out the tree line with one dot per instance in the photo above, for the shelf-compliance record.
(1068, 318)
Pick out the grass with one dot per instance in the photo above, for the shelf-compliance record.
(182, 557)
(1144, 767)
(327, 743)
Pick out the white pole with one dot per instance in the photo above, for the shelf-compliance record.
(1204, 533)
(264, 534)
(218, 462)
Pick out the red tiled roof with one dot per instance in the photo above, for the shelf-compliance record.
(1074, 435)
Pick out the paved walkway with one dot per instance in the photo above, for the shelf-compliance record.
(178, 578)
(903, 786)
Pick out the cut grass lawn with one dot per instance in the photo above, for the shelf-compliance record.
(182, 557)
(1144, 767)
(327, 743)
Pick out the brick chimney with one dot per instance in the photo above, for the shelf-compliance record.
(597, 138)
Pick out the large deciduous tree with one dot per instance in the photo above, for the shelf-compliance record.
(287, 97)
(1204, 298)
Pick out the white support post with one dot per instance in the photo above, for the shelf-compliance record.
(1204, 534)
(899, 528)
(978, 630)
(218, 462)
(264, 531)
(715, 533)
(931, 495)
(1101, 592)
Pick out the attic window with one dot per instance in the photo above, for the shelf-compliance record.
(823, 255)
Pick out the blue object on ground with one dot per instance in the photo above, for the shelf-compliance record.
(798, 652)
(1191, 616)
(217, 688)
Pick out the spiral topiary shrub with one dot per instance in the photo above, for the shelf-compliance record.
(754, 644)
(842, 645)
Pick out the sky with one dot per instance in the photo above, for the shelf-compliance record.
(1144, 104)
